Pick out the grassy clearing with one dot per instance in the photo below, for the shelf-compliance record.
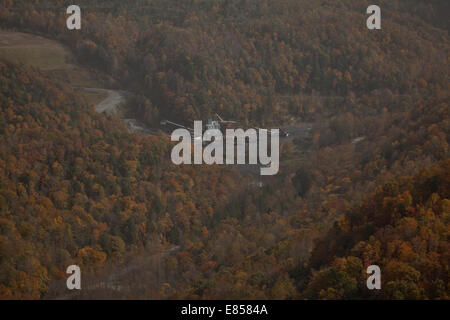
(34, 51)
(40, 57)
(47, 55)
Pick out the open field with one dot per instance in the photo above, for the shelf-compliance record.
(35, 51)
(45, 54)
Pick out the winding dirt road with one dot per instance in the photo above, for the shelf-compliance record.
(110, 105)
(111, 102)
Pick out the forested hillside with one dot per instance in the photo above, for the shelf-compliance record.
(76, 187)
(260, 61)
(368, 185)
(403, 227)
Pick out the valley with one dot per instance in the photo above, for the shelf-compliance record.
(87, 177)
